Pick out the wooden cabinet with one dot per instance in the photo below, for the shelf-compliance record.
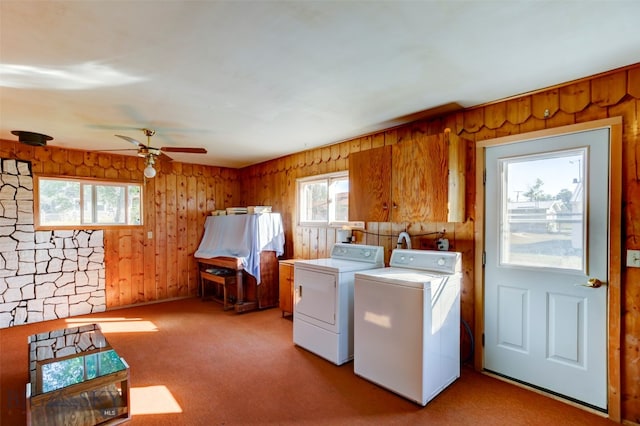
(286, 286)
(419, 180)
(370, 185)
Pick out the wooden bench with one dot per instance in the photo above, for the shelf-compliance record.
(249, 295)
(219, 276)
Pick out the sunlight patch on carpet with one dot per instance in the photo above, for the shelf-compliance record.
(116, 325)
(153, 400)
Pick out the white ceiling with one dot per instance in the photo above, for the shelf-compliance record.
(256, 80)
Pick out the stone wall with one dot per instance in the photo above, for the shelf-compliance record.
(44, 275)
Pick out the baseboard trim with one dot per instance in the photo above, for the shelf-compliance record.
(153, 302)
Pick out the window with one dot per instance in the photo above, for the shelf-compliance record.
(540, 227)
(83, 202)
(323, 200)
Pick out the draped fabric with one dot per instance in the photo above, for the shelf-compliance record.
(242, 236)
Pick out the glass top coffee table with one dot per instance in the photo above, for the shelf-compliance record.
(76, 377)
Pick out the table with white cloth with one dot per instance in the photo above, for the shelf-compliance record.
(250, 245)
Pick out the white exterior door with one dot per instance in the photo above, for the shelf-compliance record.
(546, 237)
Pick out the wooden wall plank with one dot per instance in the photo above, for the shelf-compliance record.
(149, 242)
(160, 237)
(171, 223)
(518, 110)
(112, 266)
(495, 115)
(633, 82)
(193, 231)
(137, 265)
(609, 89)
(200, 218)
(182, 241)
(473, 120)
(575, 97)
(124, 266)
(545, 104)
(591, 113)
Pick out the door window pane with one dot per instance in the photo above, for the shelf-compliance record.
(543, 215)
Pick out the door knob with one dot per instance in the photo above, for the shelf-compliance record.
(593, 283)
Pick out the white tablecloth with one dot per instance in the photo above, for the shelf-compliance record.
(242, 236)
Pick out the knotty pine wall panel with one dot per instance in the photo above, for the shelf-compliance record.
(155, 261)
(614, 94)
(273, 183)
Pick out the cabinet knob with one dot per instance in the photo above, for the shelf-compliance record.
(395, 206)
(385, 206)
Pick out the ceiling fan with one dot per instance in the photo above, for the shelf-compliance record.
(150, 153)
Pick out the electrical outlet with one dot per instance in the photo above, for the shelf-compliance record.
(442, 244)
(633, 258)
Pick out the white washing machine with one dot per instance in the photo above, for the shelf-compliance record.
(323, 299)
(407, 323)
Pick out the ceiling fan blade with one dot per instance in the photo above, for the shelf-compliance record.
(165, 157)
(114, 150)
(133, 141)
(184, 150)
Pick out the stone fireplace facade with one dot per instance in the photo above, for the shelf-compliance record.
(44, 275)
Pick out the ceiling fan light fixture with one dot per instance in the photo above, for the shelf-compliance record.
(149, 172)
(31, 138)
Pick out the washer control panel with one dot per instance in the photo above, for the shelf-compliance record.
(358, 252)
(429, 260)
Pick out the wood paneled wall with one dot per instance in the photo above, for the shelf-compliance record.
(611, 94)
(177, 201)
(155, 261)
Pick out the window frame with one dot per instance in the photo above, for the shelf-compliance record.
(329, 178)
(126, 184)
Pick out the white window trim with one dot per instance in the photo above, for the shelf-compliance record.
(327, 176)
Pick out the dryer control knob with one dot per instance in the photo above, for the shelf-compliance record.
(441, 261)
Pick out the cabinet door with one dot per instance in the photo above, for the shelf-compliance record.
(286, 287)
(420, 179)
(370, 184)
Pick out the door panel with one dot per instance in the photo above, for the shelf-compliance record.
(513, 316)
(566, 329)
(546, 234)
(315, 295)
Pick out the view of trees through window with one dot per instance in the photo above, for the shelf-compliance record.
(536, 192)
(68, 202)
(324, 198)
(543, 210)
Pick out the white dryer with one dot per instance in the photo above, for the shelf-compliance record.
(407, 323)
(323, 299)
